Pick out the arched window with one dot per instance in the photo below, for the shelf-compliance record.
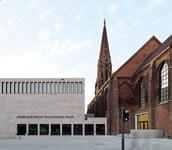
(142, 92)
(106, 74)
(101, 77)
(164, 82)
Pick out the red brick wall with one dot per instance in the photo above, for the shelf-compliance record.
(161, 117)
(125, 94)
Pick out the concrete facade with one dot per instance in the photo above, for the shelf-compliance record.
(58, 103)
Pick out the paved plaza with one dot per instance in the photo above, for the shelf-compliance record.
(83, 143)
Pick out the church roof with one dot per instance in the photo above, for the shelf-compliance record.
(132, 64)
(157, 51)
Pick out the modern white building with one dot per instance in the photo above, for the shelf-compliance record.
(46, 106)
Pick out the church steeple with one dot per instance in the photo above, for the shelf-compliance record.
(104, 67)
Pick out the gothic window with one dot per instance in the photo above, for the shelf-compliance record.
(106, 74)
(142, 92)
(164, 82)
(101, 77)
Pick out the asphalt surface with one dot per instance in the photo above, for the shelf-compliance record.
(83, 143)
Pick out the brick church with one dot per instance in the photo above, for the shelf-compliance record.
(143, 85)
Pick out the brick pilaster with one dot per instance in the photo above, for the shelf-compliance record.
(151, 96)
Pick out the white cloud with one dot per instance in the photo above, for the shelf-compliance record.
(113, 8)
(58, 27)
(77, 17)
(67, 47)
(152, 4)
(44, 34)
(44, 15)
(2, 30)
(10, 22)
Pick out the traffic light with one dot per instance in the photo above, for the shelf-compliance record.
(126, 115)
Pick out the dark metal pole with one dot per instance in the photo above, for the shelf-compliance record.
(122, 122)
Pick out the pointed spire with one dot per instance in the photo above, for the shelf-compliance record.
(104, 22)
(104, 49)
(104, 67)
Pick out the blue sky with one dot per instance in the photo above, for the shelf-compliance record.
(61, 38)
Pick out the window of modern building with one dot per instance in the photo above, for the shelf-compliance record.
(66, 129)
(23, 87)
(52, 88)
(21, 129)
(100, 129)
(48, 87)
(43, 87)
(19, 88)
(60, 88)
(44, 129)
(27, 88)
(68, 87)
(76, 87)
(164, 82)
(7, 87)
(3, 87)
(39, 88)
(36, 87)
(33, 129)
(31, 88)
(80, 87)
(15, 87)
(142, 92)
(72, 87)
(89, 129)
(64, 87)
(55, 87)
(77, 129)
(11, 88)
(55, 129)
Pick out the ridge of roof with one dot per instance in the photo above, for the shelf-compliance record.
(152, 38)
(154, 53)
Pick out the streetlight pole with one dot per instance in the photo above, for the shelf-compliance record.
(122, 122)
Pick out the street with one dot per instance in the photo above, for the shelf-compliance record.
(83, 143)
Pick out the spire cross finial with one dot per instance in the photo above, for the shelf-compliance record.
(104, 21)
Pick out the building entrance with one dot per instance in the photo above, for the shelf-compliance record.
(142, 121)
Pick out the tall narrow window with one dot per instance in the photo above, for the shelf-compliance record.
(80, 87)
(27, 88)
(19, 88)
(72, 87)
(64, 87)
(60, 88)
(68, 87)
(55, 88)
(11, 88)
(164, 82)
(101, 77)
(52, 87)
(48, 87)
(142, 93)
(36, 87)
(76, 87)
(23, 87)
(106, 74)
(3, 87)
(39, 88)
(7, 87)
(15, 87)
(43, 87)
(31, 88)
